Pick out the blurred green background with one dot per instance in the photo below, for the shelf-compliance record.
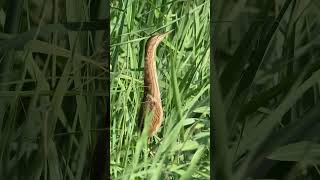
(183, 71)
(266, 89)
(53, 89)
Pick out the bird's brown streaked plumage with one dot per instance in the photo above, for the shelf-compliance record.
(151, 101)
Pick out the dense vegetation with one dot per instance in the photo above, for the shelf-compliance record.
(52, 88)
(266, 89)
(183, 71)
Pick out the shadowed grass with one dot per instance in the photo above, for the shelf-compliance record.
(267, 67)
(54, 101)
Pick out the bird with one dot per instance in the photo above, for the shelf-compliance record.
(151, 101)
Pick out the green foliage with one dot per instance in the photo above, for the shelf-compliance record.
(266, 89)
(52, 98)
(183, 72)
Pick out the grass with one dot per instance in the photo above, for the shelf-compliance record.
(183, 71)
(52, 91)
(266, 89)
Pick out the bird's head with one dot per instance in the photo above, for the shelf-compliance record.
(157, 38)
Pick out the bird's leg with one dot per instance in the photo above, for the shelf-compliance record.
(150, 149)
(158, 139)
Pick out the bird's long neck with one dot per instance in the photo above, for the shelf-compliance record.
(151, 85)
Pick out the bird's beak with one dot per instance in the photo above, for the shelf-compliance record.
(166, 33)
(163, 35)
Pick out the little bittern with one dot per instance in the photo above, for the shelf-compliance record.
(151, 101)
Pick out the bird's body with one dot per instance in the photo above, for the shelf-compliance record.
(151, 101)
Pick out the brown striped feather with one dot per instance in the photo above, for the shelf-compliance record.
(151, 99)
